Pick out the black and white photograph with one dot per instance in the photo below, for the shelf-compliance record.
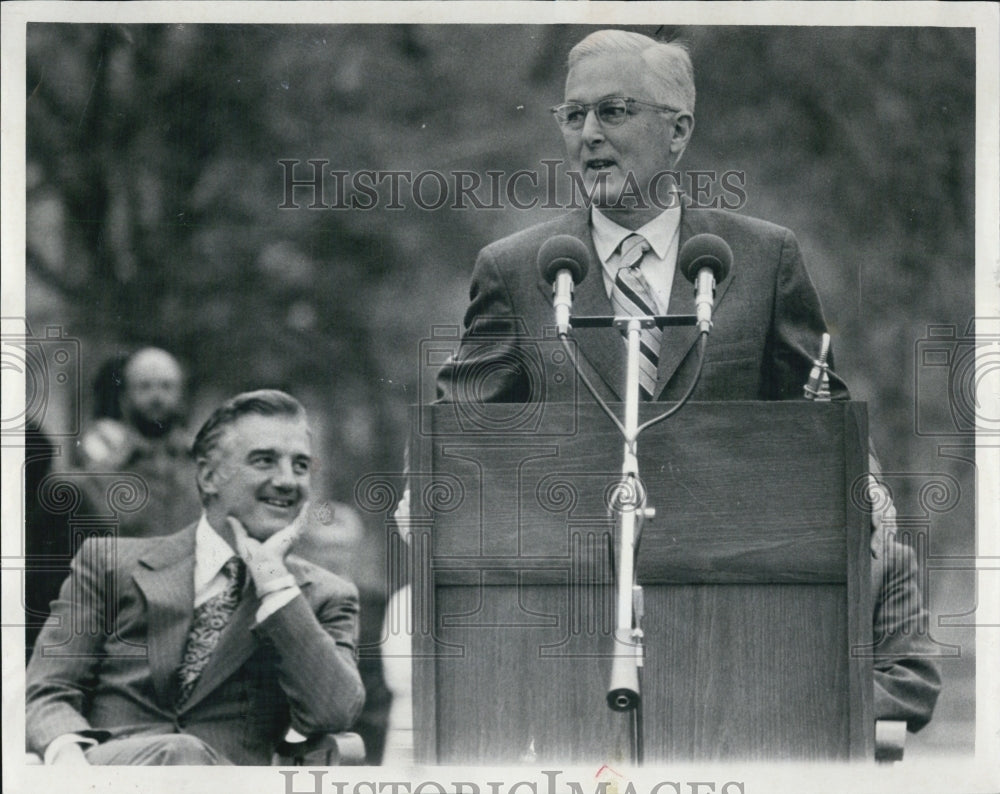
(545, 397)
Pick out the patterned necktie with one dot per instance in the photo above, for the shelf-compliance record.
(210, 619)
(632, 297)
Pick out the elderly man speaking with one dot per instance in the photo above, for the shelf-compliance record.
(627, 117)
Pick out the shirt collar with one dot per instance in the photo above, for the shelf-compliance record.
(659, 232)
(210, 553)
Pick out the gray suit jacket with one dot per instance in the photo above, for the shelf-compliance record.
(767, 321)
(907, 681)
(767, 327)
(104, 665)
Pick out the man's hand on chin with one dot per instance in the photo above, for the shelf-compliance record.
(266, 561)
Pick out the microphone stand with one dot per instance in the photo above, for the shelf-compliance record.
(624, 692)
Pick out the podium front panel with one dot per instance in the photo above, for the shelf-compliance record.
(755, 572)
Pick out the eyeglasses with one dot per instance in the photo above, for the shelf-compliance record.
(611, 111)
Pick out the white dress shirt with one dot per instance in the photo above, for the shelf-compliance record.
(211, 552)
(660, 261)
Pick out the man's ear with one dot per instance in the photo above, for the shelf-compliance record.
(680, 134)
(207, 476)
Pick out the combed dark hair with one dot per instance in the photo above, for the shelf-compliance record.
(264, 402)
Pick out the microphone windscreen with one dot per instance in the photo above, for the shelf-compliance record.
(563, 252)
(705, 250)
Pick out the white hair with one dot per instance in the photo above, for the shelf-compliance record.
(670, 69)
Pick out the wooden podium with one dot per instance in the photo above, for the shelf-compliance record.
(755, 572)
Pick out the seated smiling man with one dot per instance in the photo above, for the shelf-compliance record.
(203, 647)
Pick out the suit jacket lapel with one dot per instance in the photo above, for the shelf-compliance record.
(679, 339)
(237, 642)
(166, 578)
(234, 648)
(601, 347)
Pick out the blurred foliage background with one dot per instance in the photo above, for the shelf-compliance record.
(154, 188)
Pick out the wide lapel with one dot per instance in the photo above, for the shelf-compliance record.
(679, 339)
(166, 578)
(236, 643)
(601, 347)
(234, 647)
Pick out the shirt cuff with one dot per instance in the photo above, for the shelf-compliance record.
(272, 602)
(61, 741)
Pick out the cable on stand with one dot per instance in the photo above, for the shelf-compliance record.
(705, 259)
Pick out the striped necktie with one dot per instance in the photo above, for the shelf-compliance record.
(210, 619)
(632, 297)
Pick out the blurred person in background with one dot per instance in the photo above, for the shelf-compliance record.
(137, 429)
(47, 540)
(145, 436)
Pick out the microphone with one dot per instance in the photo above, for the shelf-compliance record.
(818, 386)
(705, 260)
(623, 693)
(563, 261)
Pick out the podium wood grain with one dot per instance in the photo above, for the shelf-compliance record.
(755, 573)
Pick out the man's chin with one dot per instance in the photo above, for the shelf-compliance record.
(263, 527)
(617, 202)
(604, 195)
(261, 532)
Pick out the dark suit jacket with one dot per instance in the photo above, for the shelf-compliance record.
(767, 327)
(104, 664)
(767, 321)
(907, 681)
